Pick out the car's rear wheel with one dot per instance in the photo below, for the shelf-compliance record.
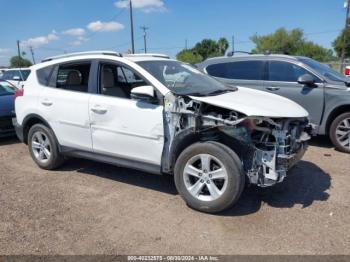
(340, 132)
(43, 147)
(209, 177)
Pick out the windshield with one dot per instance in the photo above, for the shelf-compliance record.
(6, 89)
(324, 70)
(183, 79)
(11, 74)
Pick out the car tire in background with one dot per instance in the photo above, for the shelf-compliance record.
(43, 147)
(340, 132)
(209, 176)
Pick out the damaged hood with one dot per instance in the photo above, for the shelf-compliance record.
(256, 103)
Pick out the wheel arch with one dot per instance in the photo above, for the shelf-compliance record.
(30, 121)
(334, 114)
(189, 137)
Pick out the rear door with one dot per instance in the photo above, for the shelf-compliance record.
(247, 73)
(65, 104)
(283, 80)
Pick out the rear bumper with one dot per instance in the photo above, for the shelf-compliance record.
(18, 129)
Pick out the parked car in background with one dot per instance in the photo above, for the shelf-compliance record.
(347, 71)
(7, 91)
(2, 70)
(136, 112)
(323, 92)
(16, 76)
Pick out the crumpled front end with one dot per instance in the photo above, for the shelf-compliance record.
(267, 147)
(271, 148)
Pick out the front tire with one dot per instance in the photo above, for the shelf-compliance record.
(209, 177)
(43, 147)
(340, 132)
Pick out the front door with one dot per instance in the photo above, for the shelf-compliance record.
(283, 80)
(123, 127)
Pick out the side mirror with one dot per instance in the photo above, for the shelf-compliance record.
(16, 78)
(306, 79)
(143, 93)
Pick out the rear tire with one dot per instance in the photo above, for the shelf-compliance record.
(340, 133)
(43, 147)
(209, 177)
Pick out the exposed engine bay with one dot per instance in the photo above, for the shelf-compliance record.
(267, 147)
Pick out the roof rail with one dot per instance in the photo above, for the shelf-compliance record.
(232, 53)
(148, 55)
(112, 53)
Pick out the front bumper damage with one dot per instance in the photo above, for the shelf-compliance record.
(267, 147)
(270, 167)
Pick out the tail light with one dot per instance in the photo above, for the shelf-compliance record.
(18, 93)
(347, 71)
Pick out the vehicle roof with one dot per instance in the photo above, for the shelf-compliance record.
(16, 69)
(252, 56)
(87, 56)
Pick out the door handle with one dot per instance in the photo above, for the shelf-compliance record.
(99, 110)
(46, 102)
(273, 88)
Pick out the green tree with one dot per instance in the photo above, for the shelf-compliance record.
(338, 43)
(188, 56)
(222, 45)
(290, 42)
(20, 62)
(203, 50)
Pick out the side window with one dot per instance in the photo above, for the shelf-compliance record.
(285, 72)
(240, 70)
(44, 75)
(72, 77)
(117, 80)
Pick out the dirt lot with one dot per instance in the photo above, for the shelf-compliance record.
(93, 208)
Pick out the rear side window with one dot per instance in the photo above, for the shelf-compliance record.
(44, 75)
(242, 70)
(286, 72)
(72, 77)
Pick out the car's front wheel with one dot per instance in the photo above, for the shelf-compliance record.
(43, 147)
(209, 177)
(340, 132)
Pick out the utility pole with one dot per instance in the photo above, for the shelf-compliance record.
(18, 50)
(145, 37)
(345, 35)
(32, 52)
(233, 44)
(186, 44)
(132, 29)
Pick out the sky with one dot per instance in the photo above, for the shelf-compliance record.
(52, 27)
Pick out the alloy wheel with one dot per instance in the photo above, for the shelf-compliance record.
(205, 177)
(41, 147)
(343, 133)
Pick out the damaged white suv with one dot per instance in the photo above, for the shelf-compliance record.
(155, 114)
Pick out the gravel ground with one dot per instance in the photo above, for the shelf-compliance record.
(93, 208)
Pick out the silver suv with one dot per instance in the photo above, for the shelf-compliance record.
(323, 92)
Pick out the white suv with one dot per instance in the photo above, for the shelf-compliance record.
(159, 115)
